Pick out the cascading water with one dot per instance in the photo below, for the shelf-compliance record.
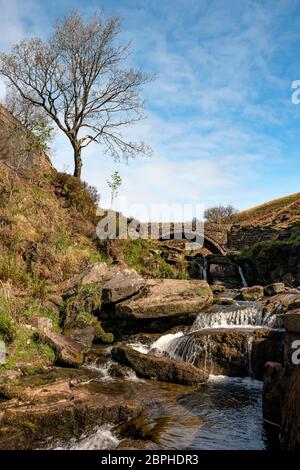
(241, 315)
(205, 268)
(202, 347)
(243, 279)
(249, 352)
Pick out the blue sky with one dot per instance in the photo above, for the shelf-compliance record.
(220, 117)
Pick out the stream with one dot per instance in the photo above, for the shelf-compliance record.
(223, 414)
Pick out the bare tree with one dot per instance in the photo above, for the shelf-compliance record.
(23, 110)
(219, 213)
(78, 78)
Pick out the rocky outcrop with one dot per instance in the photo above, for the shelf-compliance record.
(275, 288)
(122, 283)
(282, 381)
(274, 263)
(273, 392)
(60, 405)
(290, 424)
(282, 303)
(232, 352)
(291, 321)
(68, 351)
(159, 368)
(116, 283)
(223, 271)
(162, 304)
(252, 293)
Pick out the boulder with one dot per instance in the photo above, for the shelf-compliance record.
(291, 321)
(230, 351)
(273, 392)
(68, 351)
(122, 283)
(164, 303)
(159, 368)
(290, 426)
(84, 335)
(223, 271)
(283, 302)
(92, 274)
(275, 288)
(252, 293)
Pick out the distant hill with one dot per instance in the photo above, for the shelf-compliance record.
(279, 213)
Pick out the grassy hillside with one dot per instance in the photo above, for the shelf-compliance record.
(289, 205)
(48, 235)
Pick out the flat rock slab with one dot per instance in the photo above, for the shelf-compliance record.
(62, 409)
(159, 368)
(167, 298)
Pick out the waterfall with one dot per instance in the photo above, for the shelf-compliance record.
(230, 316)
(249, 353)
(205, 268)
(161, 345)
(243, 279)
(184, 348)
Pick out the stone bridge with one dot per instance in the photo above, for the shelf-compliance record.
(213, 238)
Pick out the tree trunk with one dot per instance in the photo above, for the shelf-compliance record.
(77, 162)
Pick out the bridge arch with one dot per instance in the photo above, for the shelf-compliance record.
(207, 242)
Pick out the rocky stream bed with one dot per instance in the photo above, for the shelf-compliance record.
(191, 367)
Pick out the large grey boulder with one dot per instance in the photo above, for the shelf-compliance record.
(167, 299)
(121, 283)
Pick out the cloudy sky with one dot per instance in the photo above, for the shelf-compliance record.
(220, 118)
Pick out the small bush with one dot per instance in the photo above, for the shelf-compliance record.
(77, 194)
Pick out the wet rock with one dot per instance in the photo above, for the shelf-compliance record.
(217, 289)
(159, 368)
(62, 409)
(284, 302)
(275, 288)
(84, 335)
(291, 321)
(123, 283)
(223, 271)
(252, 293)
(290, 426)
(165, 303)
(68, 351)
(232, 352)
(273, 392)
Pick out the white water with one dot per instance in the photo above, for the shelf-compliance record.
(236, 316)
(249, 353)
(158, 347)
(101, 439)
(105, 372)
(161, 345)
(243, 279)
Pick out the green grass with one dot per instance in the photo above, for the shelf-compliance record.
(26, 349)
(141, 255)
